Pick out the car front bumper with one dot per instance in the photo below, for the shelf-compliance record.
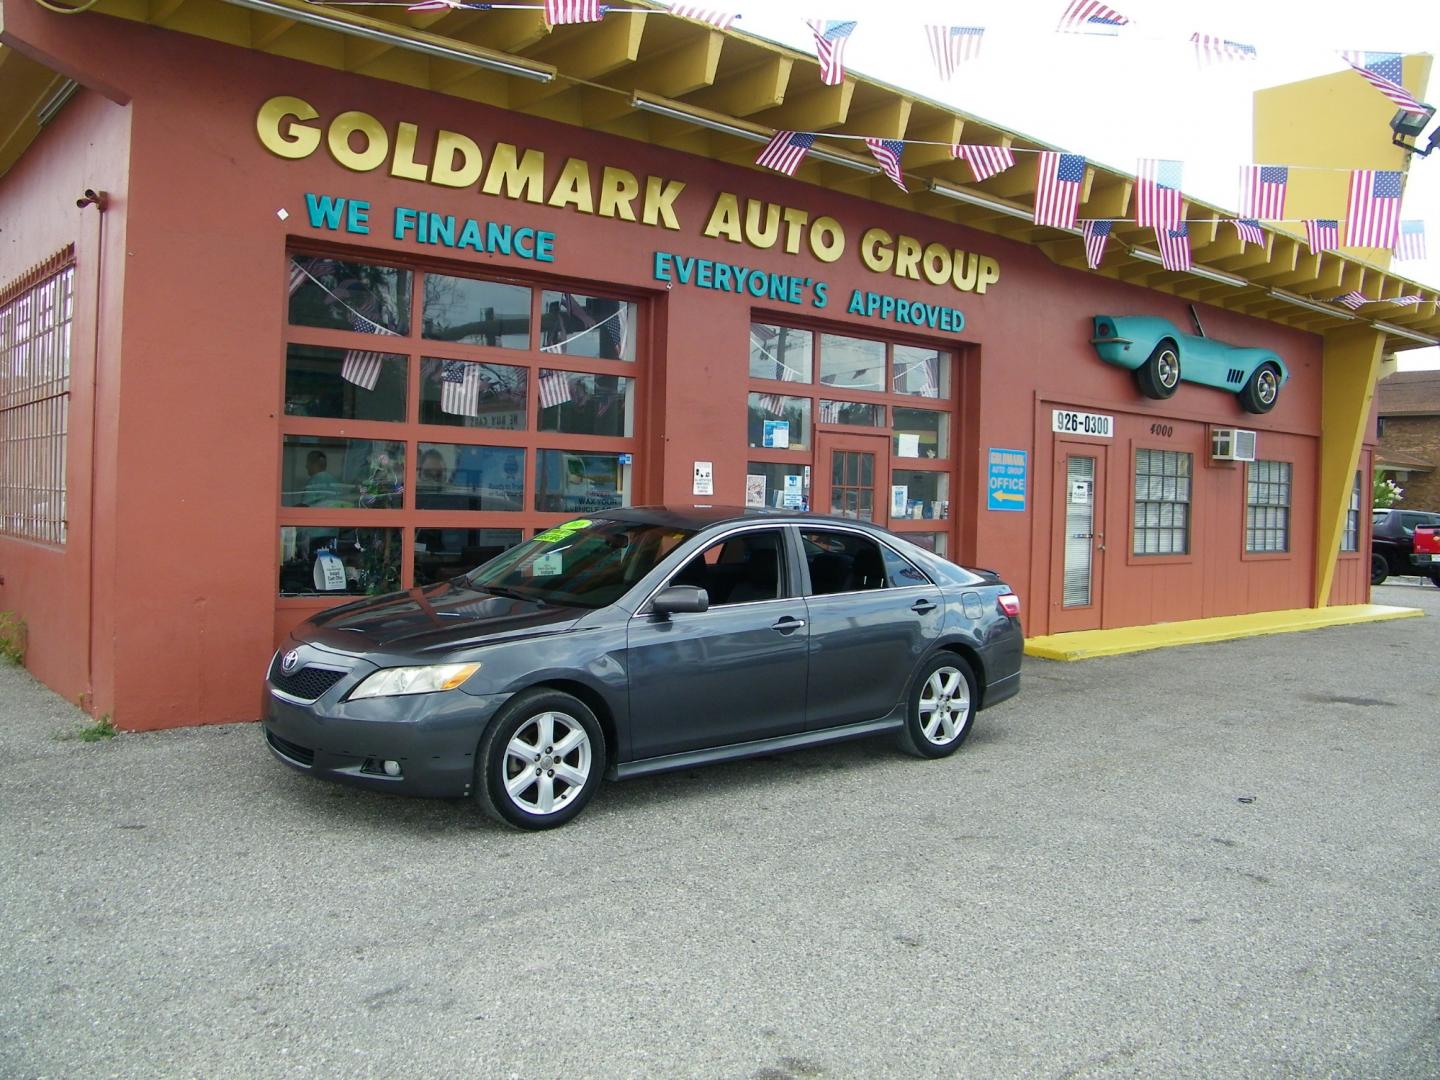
(433, 738)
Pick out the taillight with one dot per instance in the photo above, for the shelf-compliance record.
(1010, 604)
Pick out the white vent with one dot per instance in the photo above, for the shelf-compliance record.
(1232, 444)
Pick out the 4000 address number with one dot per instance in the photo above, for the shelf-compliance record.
(1083, 423)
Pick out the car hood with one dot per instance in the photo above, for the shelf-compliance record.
(438, 618)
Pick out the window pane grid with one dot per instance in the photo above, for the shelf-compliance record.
(1267, 511)
(35, 409)
(1162, 503)
(1351, 540)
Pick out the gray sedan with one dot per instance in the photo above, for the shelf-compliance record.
(639, 640)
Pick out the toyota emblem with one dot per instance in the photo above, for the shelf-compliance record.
(290, 662)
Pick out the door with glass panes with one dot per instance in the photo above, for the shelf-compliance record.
(853, 480)
(1077, 537)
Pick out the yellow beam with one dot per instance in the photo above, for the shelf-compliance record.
(1350, 365)
(819, 110)
(745, 93)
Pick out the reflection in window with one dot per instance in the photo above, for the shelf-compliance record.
(922, 372)
(842, 562)
(441, 554)
(769, 483)
(575, 482)
(459, 476)
(331, 382)
(779, 423)
(778, 352)
(463, 394)
(579, 325)
(921, 434)
(338, 560)
(936, 542)
(852, 362)
(476, 312)
(322, 471)
(851, 413)
(340, 295)
(580, 404)
(926, 495)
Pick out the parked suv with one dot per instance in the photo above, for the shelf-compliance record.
(1392, 545)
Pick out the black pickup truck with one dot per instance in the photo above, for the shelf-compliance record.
(1392, 545)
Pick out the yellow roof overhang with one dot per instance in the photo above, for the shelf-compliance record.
(736, 90)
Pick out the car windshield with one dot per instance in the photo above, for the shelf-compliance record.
(581, 563)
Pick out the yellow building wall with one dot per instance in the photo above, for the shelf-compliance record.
(1333, 123)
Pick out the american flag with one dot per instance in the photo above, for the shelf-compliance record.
(554, 389)
(1412, 240)
(1409, 300)
(1057, 193)
(1250, 231)
(1352, 299)
(1262, 191)
(773, 404)
(362, 366)
(785, 151)
(721, 20)
(1385, 72)
(460, 388)
(1213, 49)
(298, 275)
(951, 45)
(985, 161)
(887, 152)
(1372, 218)
(560, 12)
(1323, 234)
(1090, 16)
(1174, 246)
(1158, 200)
(1097, 233)
(830, 38)
(617, 329)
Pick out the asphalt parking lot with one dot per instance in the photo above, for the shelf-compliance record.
(1211, 861)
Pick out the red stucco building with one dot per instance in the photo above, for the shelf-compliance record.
(334, 295)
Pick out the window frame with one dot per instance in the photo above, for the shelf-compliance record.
(1262, 555)
(1135, 558)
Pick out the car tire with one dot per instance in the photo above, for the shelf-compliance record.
(1379, 569)
(1159, 376)
(554, 740)
(941, 709)
(1261, 390)
(1435, 580)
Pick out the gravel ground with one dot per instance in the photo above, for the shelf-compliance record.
(1212, 861)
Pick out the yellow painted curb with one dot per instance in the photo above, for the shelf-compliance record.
(1085, 644)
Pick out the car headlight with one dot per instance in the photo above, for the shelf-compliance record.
(390, 682)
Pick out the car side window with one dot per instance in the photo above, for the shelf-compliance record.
(842, 562)
(900, 571)
(742, 569)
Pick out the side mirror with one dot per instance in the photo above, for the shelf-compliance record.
(680, 598)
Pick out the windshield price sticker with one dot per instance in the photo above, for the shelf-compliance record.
(1067, 422)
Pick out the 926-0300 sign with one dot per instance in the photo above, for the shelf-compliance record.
(1068, 422)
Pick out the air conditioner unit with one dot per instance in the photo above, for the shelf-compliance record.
(1232, 444)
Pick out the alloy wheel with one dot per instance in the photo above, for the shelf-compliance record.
(944, 705)
(547, 762)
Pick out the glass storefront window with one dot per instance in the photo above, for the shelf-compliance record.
(927, 494)
(852, 413)
(579, 404)
(778, 352)
(779, 423)
(338, 560)
(920, 433)
(441, 554)
(321, 471)
(852, 362)
(936, 542)
(331, 383)
(476, 312)
(463, 394)
(922, 372)
(571, 481)
(579, 325)
(769, 483)
(459, 476)
(338, 295)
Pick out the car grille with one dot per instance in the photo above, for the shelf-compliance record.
(301, 754)
(307, 684)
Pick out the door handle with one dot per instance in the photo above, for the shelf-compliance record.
(1082, 536)
(922, 607)
(1101, 537)
(788, 625)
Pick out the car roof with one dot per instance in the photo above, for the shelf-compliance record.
(703, 515)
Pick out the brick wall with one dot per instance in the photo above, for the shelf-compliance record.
(1417, 436)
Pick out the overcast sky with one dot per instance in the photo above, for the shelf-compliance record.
(1138, 95)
